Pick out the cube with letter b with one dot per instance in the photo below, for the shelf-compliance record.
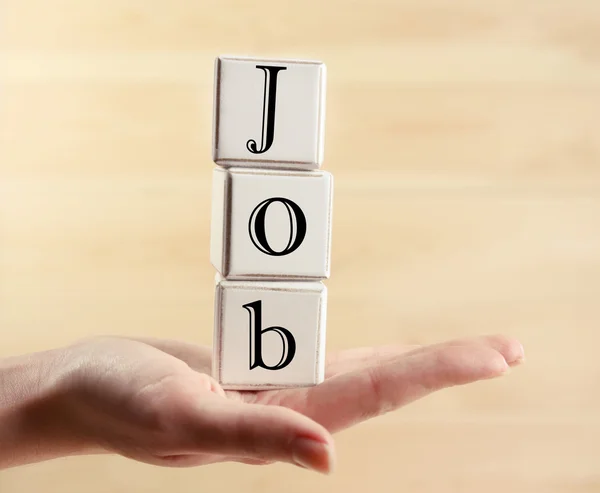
(269, 334)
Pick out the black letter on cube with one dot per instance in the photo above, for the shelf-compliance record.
(268, 119)
(256, 226)
(256, 332)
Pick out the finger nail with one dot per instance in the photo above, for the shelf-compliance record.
(517, 357)
(518, 361)
(312, 454)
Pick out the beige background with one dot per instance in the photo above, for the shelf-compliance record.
(464, 138)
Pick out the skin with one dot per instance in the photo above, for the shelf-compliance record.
(154, 401)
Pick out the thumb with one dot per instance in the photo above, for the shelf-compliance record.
(259, 432)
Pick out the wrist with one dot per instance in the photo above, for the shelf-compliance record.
(33, 415)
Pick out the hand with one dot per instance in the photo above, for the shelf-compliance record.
(153, 400)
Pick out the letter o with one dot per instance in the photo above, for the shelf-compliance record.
(256, 226)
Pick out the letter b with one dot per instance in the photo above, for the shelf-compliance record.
(256, 331)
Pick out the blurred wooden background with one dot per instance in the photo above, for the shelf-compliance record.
(465, 141)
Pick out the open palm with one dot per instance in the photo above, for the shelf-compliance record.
(153, 400)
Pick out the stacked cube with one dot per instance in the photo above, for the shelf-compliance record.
(271, 223)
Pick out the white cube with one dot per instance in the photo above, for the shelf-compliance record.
(269, 113)
(269, 224)
(269, 334)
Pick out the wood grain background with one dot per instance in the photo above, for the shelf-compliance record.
(465, 141)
